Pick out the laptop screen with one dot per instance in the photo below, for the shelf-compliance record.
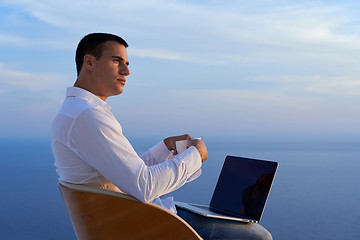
(243, 187)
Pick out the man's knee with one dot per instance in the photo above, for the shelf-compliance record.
(261, 233)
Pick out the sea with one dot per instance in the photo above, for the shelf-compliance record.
(315, 195)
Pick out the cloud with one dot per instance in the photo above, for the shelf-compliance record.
(6, 39)
(27, 80)
(34, 42)
(156, 53)
(219, 102)
(276, 32)
(345, 86)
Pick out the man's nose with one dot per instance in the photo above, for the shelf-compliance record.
(124, 70)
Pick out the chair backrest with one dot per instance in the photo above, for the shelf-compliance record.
(102, 214)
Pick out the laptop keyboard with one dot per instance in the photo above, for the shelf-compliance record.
(200, 206)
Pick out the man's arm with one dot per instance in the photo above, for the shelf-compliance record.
(102, 146)
(157, 154)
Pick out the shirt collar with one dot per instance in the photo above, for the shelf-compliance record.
(86, 95)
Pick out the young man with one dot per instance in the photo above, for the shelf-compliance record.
(89, 146)
(87, 140)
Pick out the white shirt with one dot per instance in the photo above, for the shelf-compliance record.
(89, 148)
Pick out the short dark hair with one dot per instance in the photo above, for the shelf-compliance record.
(93, 44)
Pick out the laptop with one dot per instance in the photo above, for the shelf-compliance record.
(241, 192)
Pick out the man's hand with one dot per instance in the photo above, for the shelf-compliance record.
(200, 146)
(170, 143)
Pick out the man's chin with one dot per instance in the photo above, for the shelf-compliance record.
(119, 91)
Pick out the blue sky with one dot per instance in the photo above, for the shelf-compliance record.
(283, 69)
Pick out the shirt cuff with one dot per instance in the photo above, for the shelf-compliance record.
(159, 151)
(192, 159)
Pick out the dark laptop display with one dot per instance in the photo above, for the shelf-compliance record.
(248, 182)
(241, 191)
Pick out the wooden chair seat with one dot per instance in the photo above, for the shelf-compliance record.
(102, 214)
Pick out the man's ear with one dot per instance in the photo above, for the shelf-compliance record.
(89, 61)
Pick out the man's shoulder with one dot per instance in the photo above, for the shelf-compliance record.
(78, 111)
(74, 106)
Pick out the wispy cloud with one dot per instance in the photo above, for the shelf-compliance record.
(36, 42)
(27, 80)
(156, 53)
(331, 85)
(283, 32)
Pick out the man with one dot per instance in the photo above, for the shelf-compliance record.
(88, 143)
(89, 146)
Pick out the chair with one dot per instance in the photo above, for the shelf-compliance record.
(102, 214)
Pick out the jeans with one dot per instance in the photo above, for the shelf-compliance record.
(214, 228)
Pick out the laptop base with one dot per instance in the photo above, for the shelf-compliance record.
(205, 211)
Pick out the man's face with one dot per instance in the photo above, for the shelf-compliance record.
(110, 70)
